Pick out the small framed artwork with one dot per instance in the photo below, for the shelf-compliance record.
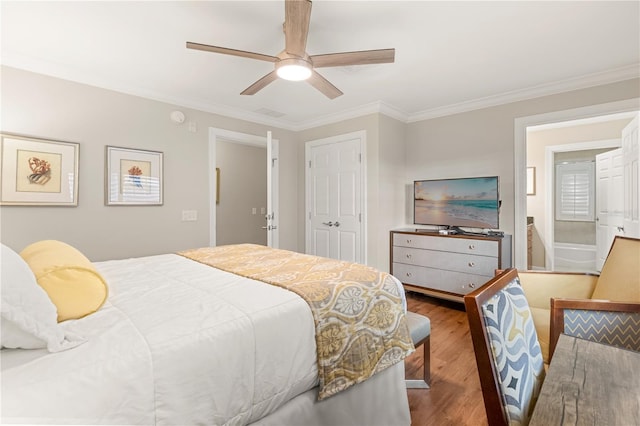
(531, 181)
(217, 185)
(133, 177)
(38, 172)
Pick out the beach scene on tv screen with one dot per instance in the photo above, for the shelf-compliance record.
(470, 202)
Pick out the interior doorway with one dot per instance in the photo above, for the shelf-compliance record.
(561, 214)
(270, 180)
(335, 203)
(626, 107)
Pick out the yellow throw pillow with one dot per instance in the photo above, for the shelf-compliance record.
(69, 278)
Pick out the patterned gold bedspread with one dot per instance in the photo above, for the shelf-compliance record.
(360, 324)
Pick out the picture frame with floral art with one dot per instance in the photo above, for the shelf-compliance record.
(38, 172)
(133, 177)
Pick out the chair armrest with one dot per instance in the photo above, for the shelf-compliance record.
(540, 286)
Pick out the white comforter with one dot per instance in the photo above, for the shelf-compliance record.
(177, 342)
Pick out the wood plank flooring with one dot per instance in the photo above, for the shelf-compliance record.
(455, 397)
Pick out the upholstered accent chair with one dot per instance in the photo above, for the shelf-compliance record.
(611, 323)
(619, 281)
(506, 347)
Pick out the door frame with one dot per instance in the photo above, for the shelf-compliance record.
(241, 138)
(361, 135)
(520, 160)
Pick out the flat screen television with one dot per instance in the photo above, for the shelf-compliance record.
(462, 202)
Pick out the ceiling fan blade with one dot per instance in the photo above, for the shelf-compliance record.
(260, 84)
(323, 85)
(234, 52)
(297, 14)
(361, 57)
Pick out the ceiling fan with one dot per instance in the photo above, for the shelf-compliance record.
(293, 63)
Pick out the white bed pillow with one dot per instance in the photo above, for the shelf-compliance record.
(28, 317)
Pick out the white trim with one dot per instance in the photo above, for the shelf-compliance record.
(216, 134)
(590, 80)
(520, 161)
(19, 61)
(362, 136)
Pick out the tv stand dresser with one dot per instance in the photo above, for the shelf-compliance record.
(446, 266)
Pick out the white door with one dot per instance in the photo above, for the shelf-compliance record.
(334, 197)
(631, 160)
(609, 202)
(272, 192)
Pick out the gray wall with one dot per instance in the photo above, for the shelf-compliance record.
(474, 143)
(243, 188)
(481, 142)
(42, 106)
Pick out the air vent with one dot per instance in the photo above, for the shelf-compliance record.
(269, 112)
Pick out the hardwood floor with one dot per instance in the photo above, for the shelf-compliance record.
(455, 397)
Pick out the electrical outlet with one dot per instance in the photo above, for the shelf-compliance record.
(189, 215)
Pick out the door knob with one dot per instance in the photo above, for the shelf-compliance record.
(336, 224)
(328, 223)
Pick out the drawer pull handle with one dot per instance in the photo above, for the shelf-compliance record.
(472, 285)
(409, 241)
(471, 264)
(408, 256)
(472, 247)
(408, 274)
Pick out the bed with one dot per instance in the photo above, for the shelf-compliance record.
(178, 341)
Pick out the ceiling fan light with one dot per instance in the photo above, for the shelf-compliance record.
(293, 69)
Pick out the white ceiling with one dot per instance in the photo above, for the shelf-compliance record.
(450, 56)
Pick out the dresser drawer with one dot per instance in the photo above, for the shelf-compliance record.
(448, 244)
(471, 264)
(438, 279)
(447, 266)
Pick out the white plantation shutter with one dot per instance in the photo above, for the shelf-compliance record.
(575, 191)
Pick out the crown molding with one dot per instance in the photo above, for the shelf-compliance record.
(377, 107)
(63, 72)
(583, 82)
(66, 73)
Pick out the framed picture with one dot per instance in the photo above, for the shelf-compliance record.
(217, 185)
(531, 181)
(133, 177)
(38, 172)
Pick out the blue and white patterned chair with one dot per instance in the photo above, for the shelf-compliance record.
(603, 321)
(507, 351)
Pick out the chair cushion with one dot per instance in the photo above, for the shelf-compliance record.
(419, 326)
(542, 321)
(515, 350)
(620, 276)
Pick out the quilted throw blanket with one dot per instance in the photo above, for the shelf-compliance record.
(360, 324)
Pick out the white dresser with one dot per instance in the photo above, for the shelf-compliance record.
(446, 266)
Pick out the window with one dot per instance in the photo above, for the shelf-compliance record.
(575, 194)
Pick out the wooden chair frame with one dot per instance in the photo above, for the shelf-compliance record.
(558, 307)
(496, 411)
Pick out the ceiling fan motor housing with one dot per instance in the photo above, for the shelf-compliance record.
(293, 68)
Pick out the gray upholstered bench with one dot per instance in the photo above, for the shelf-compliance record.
(420, 328)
